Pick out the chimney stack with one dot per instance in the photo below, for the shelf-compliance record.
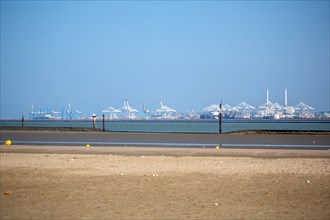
(285, 97)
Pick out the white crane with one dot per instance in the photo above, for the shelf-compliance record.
(166, 112)
(304, 111)
(244, 110)
(111, 111)
(128, 110)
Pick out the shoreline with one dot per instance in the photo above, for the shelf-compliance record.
(225, 120)
(246, 132)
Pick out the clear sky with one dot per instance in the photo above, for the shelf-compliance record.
(189, 53)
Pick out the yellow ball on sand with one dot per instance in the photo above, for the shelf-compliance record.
(217, 147)
(8, 142)
(87, 145)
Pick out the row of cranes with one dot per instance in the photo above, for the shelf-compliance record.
(243, 110)
(267, 110)
(42, 114)
(128, 112)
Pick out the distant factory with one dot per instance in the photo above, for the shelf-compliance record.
(268, 110)
(243, 110)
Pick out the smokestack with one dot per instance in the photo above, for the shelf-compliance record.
(267, 97)
(285, 97)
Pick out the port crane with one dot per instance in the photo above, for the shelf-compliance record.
(165, 111)
(112, 112)
(128, 110)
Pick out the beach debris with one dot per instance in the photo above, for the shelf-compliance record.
(308, 181)
(88, 145)
(217, 147)
(7, 193)
(8, 142)
(71, 159)
(122, 174)
(216, 204)
(260, 213)
(153, 175)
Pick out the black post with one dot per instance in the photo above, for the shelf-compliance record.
(22, 120)
(94, 120)
(220, 119)
(103, 120)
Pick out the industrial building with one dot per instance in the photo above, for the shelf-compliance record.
(243, 110)
(268, 110)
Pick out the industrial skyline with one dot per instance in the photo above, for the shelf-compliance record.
(243, 110)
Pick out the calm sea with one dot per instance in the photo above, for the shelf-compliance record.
(191, 126)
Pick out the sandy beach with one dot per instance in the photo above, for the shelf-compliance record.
(61, 182)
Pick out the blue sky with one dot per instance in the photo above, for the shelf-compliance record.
(189, 53)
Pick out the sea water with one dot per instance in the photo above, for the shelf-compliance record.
(186, 126)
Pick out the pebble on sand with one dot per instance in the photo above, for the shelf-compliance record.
(7, 193)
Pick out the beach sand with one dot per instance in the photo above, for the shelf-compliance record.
(60, 182)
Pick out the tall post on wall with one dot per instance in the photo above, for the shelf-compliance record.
(220, 118)
(103, 122)
(22, 120)
(94, 120)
